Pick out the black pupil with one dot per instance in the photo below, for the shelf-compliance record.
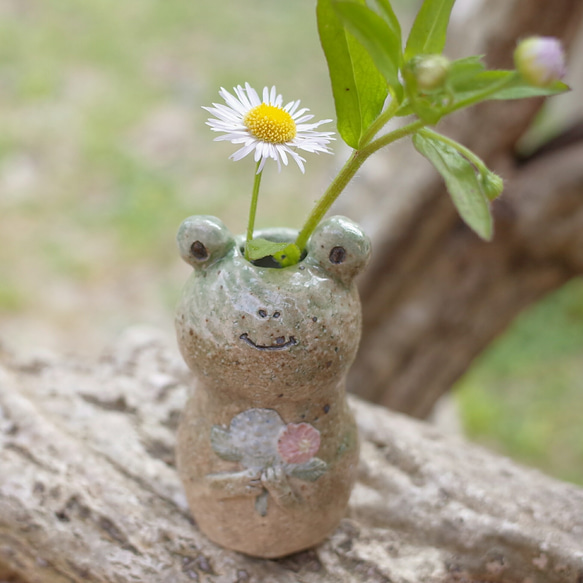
(337, 255)
(263, 313)
(199, 251)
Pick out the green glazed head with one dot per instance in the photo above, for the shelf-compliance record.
(254, 331)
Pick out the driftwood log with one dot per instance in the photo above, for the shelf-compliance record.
(89, 492)
(434, 295)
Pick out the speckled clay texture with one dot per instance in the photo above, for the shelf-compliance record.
(267, 448)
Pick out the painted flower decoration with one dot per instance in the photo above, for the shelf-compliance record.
(298, 443)
(259, 440)
(266, 126)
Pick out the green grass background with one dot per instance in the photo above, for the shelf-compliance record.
(104, 150)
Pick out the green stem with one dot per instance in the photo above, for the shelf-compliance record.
(369, 147)
(345, 175)
(465, 152)
(253, 209)
(393, 136)
(332, 193)
(380, 122)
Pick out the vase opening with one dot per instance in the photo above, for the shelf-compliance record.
(269, 261)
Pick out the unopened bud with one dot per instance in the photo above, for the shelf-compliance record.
(540, 60)
(430, 71)
(492, 185)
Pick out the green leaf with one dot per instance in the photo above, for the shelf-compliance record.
(358, 87)
(258, 248)
(471, 89)
(427, 111)
(463, 70)
(482, 80)
(288, 256)
(427, 35)
(514, 88)
(385, 10)
(371, 86)
(462, 183)
(310, 471)
(404, 110)
(375, 35)
(519, 89)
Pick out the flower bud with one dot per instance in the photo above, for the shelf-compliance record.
(430, 71)
(540, 60)
(492, 185)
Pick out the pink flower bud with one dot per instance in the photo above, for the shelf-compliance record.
(540, 60)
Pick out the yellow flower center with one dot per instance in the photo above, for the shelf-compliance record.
(270, 124)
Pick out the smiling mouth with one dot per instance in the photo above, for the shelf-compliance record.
(280, 343)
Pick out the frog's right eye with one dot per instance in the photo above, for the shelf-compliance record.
(202, 240)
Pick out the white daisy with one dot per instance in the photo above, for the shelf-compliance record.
(272, 130)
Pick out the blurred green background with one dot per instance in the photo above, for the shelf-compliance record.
(104, 150)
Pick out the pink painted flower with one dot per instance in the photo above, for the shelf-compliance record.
(298, 443)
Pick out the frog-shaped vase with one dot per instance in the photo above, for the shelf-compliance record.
(267, 446)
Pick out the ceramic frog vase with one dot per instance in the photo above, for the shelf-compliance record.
(267, 447)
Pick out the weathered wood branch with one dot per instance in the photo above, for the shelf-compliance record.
(423, 327)
(434, 295)
(88, 491)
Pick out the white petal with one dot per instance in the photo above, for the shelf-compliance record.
(304, 119)
(298, 159)
(267, 150)
(294, 106)
(242, 152)
(273, 152)
(252, 94)
(299, 113)
(228, 120)
(312, 125)
(231, 100)
(228, 112)
(281, 151)
(257, 155)
(234, 138)
(242, 95)
(261, 165)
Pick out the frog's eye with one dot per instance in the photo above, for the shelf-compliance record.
(202, 240)
(340, 247)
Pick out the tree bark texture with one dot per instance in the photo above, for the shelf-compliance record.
(435, 295)
(89, 491)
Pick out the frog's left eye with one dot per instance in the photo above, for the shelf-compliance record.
(340, 247)
(202, 240)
